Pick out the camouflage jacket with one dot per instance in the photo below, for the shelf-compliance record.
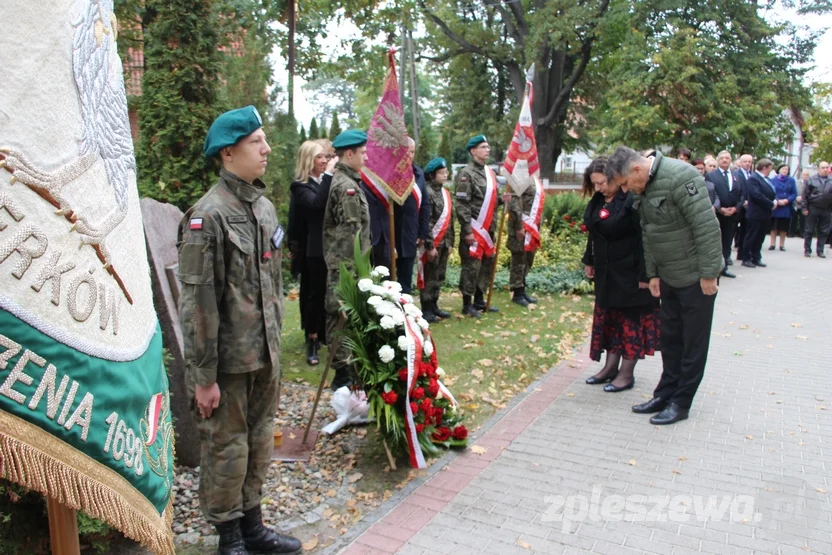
(519, 205)
(470, 186)
(437, 206)
(230, 306)
(346, 213)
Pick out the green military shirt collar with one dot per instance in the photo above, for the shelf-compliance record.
(348, 171)
(243, 190)
(436, 186)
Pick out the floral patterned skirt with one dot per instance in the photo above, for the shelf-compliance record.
(617, 331)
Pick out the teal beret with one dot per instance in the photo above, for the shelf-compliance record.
(436, 164)
(352, 138)
(474, 142)
(230, 127)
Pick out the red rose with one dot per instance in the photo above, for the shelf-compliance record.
(421, 428)
(433, 388)
(460, 432)
(441, 434)
(414, 408)
(571, 224)
(437, 415)
(426, 405)
(583, 228)
(403, 374)
(566, 218)
(418, 393)
(390, 397)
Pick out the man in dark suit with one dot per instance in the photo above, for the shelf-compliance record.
(745, 169)
(729, 192)
(761, 202)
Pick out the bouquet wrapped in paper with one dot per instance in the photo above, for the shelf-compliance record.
(396, 365)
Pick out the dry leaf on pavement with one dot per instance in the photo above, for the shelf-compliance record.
(310, 544)
(478, 450)
(632, 462)
(520, 542)
(353, 478)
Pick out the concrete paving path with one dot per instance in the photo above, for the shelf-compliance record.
(571, 469)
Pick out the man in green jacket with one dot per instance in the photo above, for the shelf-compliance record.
(683, 258)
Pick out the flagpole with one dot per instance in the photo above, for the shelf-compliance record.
(496, 257)
(392, 237)
(63, 528)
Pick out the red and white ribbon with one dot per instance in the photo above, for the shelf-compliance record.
(483, 245)
(154, 408)
(531, 221)
(438, 233)
(414, 355)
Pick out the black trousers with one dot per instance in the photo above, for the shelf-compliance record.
(404, 273)
(821, 218)
(381, 254)
(727, 228)
(313, 297)
(686, 317)
(752, 244)
(742, 228)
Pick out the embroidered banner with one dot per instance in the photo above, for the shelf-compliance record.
(84, 402)
(522, 164)
(389, 169)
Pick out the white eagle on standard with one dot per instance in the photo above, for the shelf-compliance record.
(106, 128)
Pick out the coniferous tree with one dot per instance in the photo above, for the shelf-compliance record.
(445, 150)
(335, 127)
(302, 134)
(422, 155)
(314, 133)
(179, 100)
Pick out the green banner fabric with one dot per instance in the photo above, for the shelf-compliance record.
(84, 401)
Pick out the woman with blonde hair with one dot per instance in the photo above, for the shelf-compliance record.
(310, 190)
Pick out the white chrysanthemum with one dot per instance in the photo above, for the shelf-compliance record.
(440, 372)
(398, 317)
(365, 285)
(406, 299)
(387, 323)
(386, 353)
(403, 342)
(380, 271)
(378, 290)
(412, 310)
(428, 348)
(394, 286)
(375, 300)
(422, 323)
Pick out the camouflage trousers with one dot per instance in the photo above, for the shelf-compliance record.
(521, 263)
(435, 275)
(237, 442)
(475, 274)
(340, 362)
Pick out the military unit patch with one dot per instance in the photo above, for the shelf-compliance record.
(351, 192)
(692, 190)
(196, 224)
(277, 237)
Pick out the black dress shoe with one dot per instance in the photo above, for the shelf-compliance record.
(783, 249)
(821, 255)
(730, 262)
(262, 539)
(760, 264)
(655, 404)
(592, 380)
(728, 274)
(670, 415)
(748, 264)
(807, 254)
(609, 388)
(771, 248)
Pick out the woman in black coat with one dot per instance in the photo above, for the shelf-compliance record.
(625, 320)
(310, 190)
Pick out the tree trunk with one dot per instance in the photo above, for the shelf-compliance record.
(549, 147)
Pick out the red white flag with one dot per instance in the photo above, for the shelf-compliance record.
(521, 165)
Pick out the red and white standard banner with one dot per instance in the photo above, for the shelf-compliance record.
(483, 245)
(522, 166)
(531, 221)
(437, 233)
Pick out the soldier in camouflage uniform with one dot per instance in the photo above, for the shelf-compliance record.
(435, 260)
(470, 186)
(521, 259)
(346, 214)
(231, 311)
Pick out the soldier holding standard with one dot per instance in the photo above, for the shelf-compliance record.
(231, 312)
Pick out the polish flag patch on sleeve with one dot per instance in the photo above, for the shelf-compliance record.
(196, 224)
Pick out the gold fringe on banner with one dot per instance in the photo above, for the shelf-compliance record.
(39, 461)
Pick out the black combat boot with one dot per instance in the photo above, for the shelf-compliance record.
(479, 303)
(262, 539)
(342, 378)
(428, 313)
(519, 297)
(231, 539)
(467, 308)
(532, 300)
(439, 312)
(312, 352)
